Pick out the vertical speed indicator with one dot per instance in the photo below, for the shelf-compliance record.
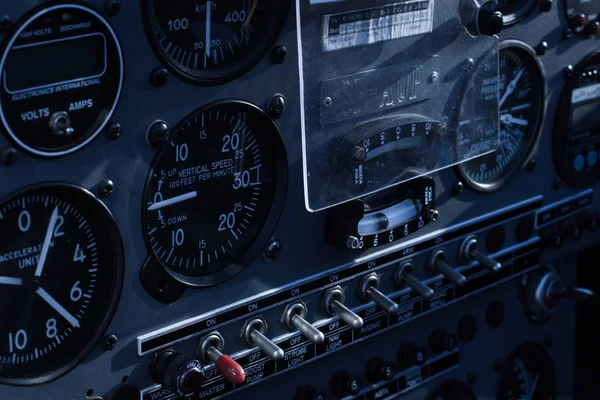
(215, 192)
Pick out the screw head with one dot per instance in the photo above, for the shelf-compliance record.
(567, 33)
(352, 243)
(569, 70)
(109, 342)
(458, 188)
(279, 54)
(158, 134)
(469, 64)
(5, 23)
(112, 7)
(277, 106)
(159, 77)
(531, 165)
(542, 48)
(434, 76)
(114, 131)
(359, 153)
(106, 187)
(433, 215)
(327, 102)
(272, 250)
(8, 156)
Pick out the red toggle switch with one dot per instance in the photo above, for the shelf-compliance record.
(231, 370)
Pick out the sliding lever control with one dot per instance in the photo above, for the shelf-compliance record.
(333, 304)
(437, 262)
(469, 251)
(211, 350)
(294, 318)
(253, 333)
(367, 291)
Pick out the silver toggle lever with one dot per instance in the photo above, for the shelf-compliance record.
(368, 291)
(294, 318)
(469, 252)
(253, 333)
(333, 304)
(404, 277)
(60, 123)
(437, 263)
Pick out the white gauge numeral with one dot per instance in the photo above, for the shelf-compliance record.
(178, 24)
(241, 180)
(51, 330)
(177, 237)
(24, 221)
(76, 292)
(18, 340)
(230, 142)
(236, 16)
(60, 220)
(181, 152)
(79, 255)
(227, 221)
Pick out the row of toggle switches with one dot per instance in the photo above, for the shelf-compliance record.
(184, 375)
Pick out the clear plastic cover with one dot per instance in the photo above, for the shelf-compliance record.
(391, 90)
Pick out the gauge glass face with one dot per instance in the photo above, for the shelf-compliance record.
(451, 390)
(521, 113)
(513, 10)
(59, 277)
(529, 374)
(211, 190)
(212, 41)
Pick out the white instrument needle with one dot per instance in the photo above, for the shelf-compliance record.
(173, 200)
(208, 27)
(509, 119)
(58, 308)
(5, 280)
(40, 267)
(511, 87)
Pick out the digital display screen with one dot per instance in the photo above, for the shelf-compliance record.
(32, 66)
(585, 122)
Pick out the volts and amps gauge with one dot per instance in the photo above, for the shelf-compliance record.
(522, 91)
(61, 78)
(212, 42)
(215, 192)
(61, 272)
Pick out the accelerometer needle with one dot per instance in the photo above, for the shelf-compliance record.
(58, 308)
(46, 245)
(173, 200)
(5, 280)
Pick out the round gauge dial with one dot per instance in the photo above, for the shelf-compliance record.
(513, 10)
(60, 279)
(528, 374)
(215, 192)
(211, 42)
(451, 390)
(56, 106)
(522, 93)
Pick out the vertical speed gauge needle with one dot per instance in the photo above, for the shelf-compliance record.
(49, 232)
(208, 27)
(173, 200)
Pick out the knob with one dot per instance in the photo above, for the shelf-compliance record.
(333, 305)
(377, 369)
(578, 20)
(593, 28)
(344, 384)
(410, 355)
(211, 350)
(368, 291)
(437, 262)
(309, 392)
(545, 291)
(178, 373)
(469, 252)
(441, 341)
(552, 237)
(294, 317)
(404, 277)
(253, 333)
(489, 22)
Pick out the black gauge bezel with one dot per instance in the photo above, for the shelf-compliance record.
(534, 139)
(273, 28)
(6, 47)
(279, 155)
(511, 19)
(101, 213)
(450, 385)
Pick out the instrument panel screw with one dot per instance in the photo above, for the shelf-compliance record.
(542, 48)
(531, 165)
(433, 215)
(159, 77)
(546, 5)
(279, 54)
(567, 33)
(359, 153)
(469, 64)
(556, 184)
(569, 71)
(114, 131)
(272, 250)
(434, 76)
(458, 188)
(5, 23)
(158, 134)
(8, 156)
(277, 106)
(327, 102)
(109, 342)
(471, 378)
(106, 187)
(113, 7)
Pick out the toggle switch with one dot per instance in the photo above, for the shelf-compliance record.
(404, 277)
(367, 291)
(469, 251)
(211, 351)
(178, 373)
(437, 262)
(294, 317)
(60, 124)
(253, 333)
(333, 304)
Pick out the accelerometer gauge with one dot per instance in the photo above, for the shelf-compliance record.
(522, 107)
(513, 10)
(61, 272)
(215, 192)
(61, 78)
(528, 374)
(451, 390)
(212, 42)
